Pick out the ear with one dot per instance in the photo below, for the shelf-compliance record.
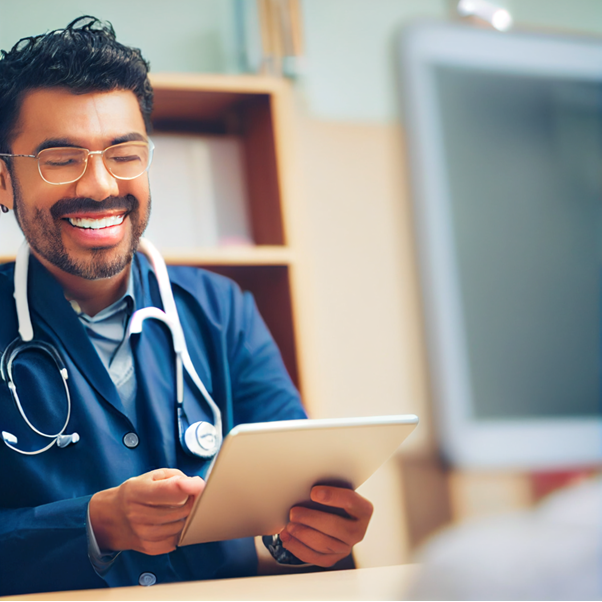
(6, 186)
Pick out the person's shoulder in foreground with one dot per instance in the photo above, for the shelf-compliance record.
(553, 552)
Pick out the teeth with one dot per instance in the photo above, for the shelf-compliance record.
(96, 224)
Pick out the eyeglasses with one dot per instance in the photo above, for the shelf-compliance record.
(65, 165)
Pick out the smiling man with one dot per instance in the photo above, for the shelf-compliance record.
(62, 229)
(98, 482)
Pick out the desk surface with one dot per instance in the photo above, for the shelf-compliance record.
(381, 583)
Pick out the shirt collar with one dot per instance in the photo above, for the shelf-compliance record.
(126, 302)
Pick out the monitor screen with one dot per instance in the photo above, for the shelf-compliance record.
(524, 167)
(505, 139)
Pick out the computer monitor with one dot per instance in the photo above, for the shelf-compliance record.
(504, 134)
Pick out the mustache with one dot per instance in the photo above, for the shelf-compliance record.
(63, 207)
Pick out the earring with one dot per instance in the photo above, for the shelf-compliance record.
(4, 208)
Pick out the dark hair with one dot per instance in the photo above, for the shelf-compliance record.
(84, 57)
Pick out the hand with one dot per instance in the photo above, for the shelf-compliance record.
(145, 513)
(321, 538)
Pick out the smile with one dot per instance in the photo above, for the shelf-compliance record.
(96, 224)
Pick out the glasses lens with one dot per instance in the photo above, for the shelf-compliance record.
(128, 160)
(62, 165)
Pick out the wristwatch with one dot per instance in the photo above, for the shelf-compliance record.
(280, 554)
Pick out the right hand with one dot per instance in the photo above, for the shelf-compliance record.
(145, 513)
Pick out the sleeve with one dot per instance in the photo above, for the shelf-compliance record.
(45, 548)
(262, 389)
(101, 562)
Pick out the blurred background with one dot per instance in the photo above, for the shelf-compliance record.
(327, 84)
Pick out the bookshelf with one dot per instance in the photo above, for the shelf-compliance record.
(253, 110)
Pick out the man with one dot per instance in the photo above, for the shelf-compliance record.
(106, 508)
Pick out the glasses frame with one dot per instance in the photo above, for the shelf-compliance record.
(101, 153)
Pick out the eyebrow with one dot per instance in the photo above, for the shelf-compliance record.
(65, 142)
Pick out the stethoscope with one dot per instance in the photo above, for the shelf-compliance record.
(201, 439)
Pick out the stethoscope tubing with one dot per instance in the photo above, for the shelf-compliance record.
(169, 315)
(13, 388)
(172, 319)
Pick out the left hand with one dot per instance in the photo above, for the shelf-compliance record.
(321, 538)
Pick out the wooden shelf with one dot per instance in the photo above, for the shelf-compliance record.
(249, 108)
(220, 256)
(242, 106)
(218, 84)
(240, 256)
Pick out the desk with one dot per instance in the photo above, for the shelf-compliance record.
(381, 583)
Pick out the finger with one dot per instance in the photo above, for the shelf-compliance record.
(306, 554)
(351, 501)
(315, 540)
(348, 530)
(156, 533)
(153, 548)
(144, 514)
(178, 488)
(164, 473)
(192, 486)
(163, 492)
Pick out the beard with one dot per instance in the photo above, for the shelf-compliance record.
(43, 232)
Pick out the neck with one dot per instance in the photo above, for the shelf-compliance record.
(91, 295)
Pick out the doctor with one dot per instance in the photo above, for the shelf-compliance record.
(105, 507)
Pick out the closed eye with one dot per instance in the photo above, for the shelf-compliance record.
(126, 159)
(61, 163)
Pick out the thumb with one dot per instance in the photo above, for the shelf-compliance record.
(191, 485)
(161, 474)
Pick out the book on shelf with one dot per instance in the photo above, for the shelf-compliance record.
(198, 191)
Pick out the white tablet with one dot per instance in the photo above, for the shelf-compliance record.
(265, 469)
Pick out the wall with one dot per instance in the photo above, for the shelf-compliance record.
(369, 350)
(179, 35)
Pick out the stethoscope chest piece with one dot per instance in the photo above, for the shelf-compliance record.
(201, 439)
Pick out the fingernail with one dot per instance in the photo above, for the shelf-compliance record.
(285, 536)
(318, 494)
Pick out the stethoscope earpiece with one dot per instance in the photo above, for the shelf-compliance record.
(65, 440)
(9, 438)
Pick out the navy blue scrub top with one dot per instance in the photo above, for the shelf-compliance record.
(44, 498)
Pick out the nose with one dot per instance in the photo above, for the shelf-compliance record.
(97, 183)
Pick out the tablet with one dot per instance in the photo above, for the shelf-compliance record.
(266, 468)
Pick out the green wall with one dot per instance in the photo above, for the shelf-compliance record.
(576, 15)
(175, 35)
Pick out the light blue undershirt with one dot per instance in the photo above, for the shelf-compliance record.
(107, 330)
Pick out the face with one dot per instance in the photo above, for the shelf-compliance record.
(89, 228)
